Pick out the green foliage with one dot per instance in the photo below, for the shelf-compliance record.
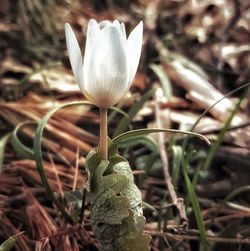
(134, 133)
(195, 204)
(116, 210)
(20, 148)
(176, 163)
(185, 142)
(37, 147)
(146, 141)
(164, 80)
(73, 196)
(124, 123)
(221, 135)
(236, 192)
(8, 244)
(3, 143)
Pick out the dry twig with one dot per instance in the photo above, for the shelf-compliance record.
(178, 202)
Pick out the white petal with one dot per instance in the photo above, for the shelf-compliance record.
(93, 31)
(123, 30)
(116, 24)
(104, 23)
(75, 56)
(134, 50)
(121, 27)
(108, 68)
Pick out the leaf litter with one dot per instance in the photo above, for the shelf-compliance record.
(211, 58)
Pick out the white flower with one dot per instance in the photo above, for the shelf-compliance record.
(110, 61)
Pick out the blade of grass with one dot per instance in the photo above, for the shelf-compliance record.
(164, 80)
(195, 204)
(3, 143)
(20, 148)
(134, 133)
(236, 192)
(185, 142)
(176, 163)
(115, 111)
(37, 146)
(124, 123)
(190, 187)
(221, 135)
(147, 141)
(8, 244)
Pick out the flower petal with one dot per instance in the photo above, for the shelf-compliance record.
(123, 30)
(108, 67)
(120, 26)
(104, 23)
(92, 31)
(75, 56)
(116, 24)
(134, 50)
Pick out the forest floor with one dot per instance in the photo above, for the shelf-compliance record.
(193, 74)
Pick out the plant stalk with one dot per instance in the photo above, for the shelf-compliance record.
(103, 146)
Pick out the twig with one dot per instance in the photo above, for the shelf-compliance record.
(76, 170)
(78, 228)
(179, 237)
(177, 202)
(57, 179)
(228, 217)
(65, 231)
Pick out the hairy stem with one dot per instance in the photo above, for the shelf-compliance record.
(103, 146)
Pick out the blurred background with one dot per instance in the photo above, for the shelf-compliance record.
(194, 53)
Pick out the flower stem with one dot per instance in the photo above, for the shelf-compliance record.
(103, 146)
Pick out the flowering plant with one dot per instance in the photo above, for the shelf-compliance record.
(104, 74)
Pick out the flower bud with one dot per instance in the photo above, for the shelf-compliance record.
(110, 62)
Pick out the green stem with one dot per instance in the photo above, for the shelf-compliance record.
(103, 134)
(213, 150)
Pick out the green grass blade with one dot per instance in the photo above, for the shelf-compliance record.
(37, 146)
(176, 163)
(195, 204)
(164, 80)
(124, 123)
(211, 107)
(20, 148)
(147, 141)
(134, 133)
(221, 135)
(3, 143)
(236, 192)
(8, 244)
(115, 111)
(191, 193)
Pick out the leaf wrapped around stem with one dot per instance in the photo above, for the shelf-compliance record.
(116, 205)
